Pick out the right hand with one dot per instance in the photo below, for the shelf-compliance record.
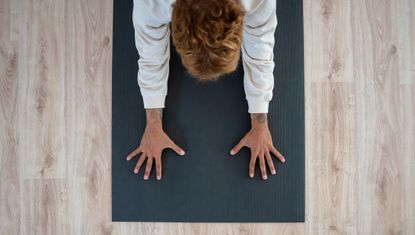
(153, 142)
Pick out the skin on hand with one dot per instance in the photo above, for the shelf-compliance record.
(259, 140)
(153, 142)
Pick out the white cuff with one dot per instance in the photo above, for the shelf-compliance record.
(257, 106)
(152, 102)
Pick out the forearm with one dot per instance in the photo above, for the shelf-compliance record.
(154, 117)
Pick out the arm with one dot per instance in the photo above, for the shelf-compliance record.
(258, 56)
(152, 40)
(258, 62)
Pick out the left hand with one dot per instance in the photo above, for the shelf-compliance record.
(259, 140)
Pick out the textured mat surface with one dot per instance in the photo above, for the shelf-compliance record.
(207, 120)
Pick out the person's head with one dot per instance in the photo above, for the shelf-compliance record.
(208, 35)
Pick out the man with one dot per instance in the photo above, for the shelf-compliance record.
(209, 36)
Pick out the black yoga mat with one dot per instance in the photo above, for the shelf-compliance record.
(207, 120)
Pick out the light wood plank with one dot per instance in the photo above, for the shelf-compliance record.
(327, 40)
(41, 112)
(45, 207)
(380, 158)
(88, 114)
(10, 175)
(331, 162)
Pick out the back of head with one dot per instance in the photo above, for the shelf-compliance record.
(208, 35)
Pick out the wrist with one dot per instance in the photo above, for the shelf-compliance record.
(154, 117)
(259, 120)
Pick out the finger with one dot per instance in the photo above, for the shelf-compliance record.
(277, 154)
(252, 165)
(158, 168)
(270, 163)
(176, 148)
(133, 153)
(238, 147)
(148, 168)
(263, 167)
(140, 163)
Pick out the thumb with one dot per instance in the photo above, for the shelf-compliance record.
(176, 148)
(238, 147)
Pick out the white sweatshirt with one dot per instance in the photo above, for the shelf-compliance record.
(151, 20)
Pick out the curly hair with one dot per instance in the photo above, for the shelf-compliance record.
(207, 35)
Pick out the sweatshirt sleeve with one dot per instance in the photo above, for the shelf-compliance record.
(258, 56)
(152, 40)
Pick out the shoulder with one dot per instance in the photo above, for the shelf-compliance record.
(156, 12)
(256, 6)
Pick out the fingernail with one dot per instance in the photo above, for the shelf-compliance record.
(265, 177)
(145, 177)
(182, 152)
(158, 177)
(126, 159)
(283, 160)
(232, 152)
(251, 175)
(135, 171)
(273, 172)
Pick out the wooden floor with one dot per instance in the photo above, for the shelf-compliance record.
(55, 120)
